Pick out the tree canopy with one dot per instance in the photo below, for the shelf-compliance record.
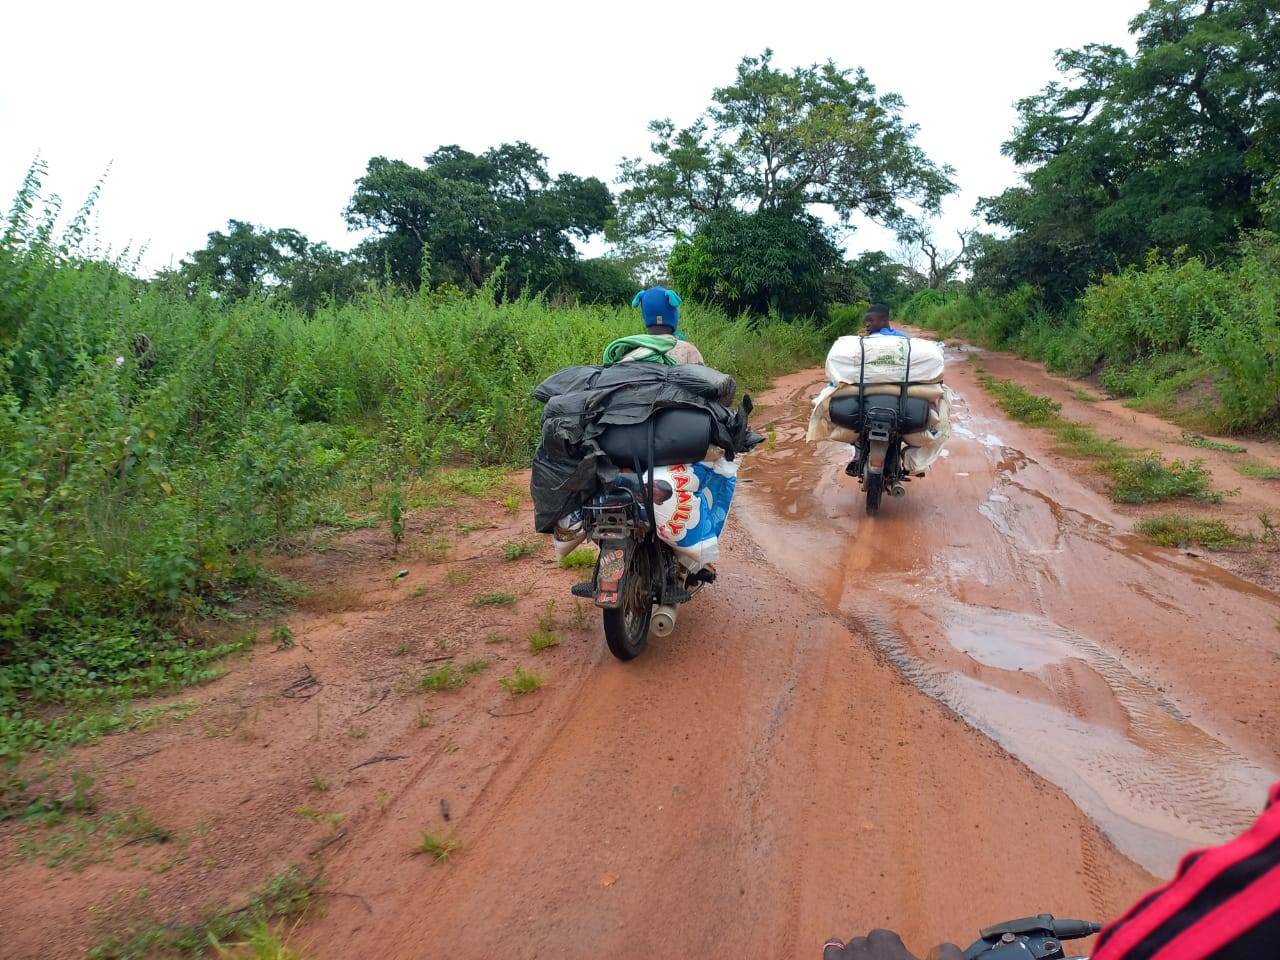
(775, 140)
(767, 260)
(455, 219)
(1166, 148)
(249, 260)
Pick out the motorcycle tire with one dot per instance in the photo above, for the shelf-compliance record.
(875, 487)
(626, 627)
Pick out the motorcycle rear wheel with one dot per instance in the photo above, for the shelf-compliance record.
(874, 484)
(626, 627)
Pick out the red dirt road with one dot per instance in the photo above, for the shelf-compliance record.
(989, 701)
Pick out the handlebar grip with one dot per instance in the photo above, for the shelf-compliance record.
(1075, 929)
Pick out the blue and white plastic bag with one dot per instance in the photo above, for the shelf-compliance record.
(692, 519)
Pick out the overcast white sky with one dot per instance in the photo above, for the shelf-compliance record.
(268, 111)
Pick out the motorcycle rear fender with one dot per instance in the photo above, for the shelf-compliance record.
(876, 453)
(611, 572)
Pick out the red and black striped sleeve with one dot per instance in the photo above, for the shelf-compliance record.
(1223, 902)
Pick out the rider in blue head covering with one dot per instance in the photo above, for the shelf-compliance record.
(660, 308)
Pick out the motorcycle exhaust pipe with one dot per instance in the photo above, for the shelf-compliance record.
(897, 490)
(663, 621)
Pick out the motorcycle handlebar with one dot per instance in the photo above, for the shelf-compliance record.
(1038, 937)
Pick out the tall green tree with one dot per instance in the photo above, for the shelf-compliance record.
(1167, 148)
(886, 279)
(768, 260)
(249, 260)
(455, 219)
(782, 140)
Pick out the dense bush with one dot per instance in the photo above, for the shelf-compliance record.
(1160, 332)
(148, 442)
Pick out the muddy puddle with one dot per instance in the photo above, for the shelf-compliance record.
(1002, 589)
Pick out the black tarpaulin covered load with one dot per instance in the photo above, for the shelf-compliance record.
(569, 466)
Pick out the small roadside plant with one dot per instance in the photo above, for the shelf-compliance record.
(1258, 470)
(518, 549)
(1180, 530)
(282, 636)
(545, 636)
(451, 677)
(493, 600)
(395, 518)
(446, 677)
(1021, 404)
(521, 682)
(541, 640)
(319, 783)
(437, 847)
(288, 894)
(580, 559)
(1204, 443)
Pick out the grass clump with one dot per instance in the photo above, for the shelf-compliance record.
(1179, 530)
(543, 640)
(473, 481)
(1146, 478)
(518, 549)
(580, 559)
(78, 841)
(1204, 443)
(451, 677)
(1257, 470)
(437, 847)
(319, 783)
(1021, 404)
(521, 682)
(493, 600)
(262, 942)
(545, 636)
(447, 677)
(287, 894)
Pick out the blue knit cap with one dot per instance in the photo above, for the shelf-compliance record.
(659, 306)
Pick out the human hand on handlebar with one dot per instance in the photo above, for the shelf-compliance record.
(884, 945)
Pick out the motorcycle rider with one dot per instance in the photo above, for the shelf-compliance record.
(1223, 902)
(660, 308)
(877, 322)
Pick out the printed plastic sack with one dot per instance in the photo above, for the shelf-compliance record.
(692, 519)
(886, 360)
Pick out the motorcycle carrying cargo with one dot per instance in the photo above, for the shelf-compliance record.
(584, 403)
(870, 373)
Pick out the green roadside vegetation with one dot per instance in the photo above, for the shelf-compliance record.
(250, 930)
(1133, 476)
(1180, 530)
(1141, 247)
